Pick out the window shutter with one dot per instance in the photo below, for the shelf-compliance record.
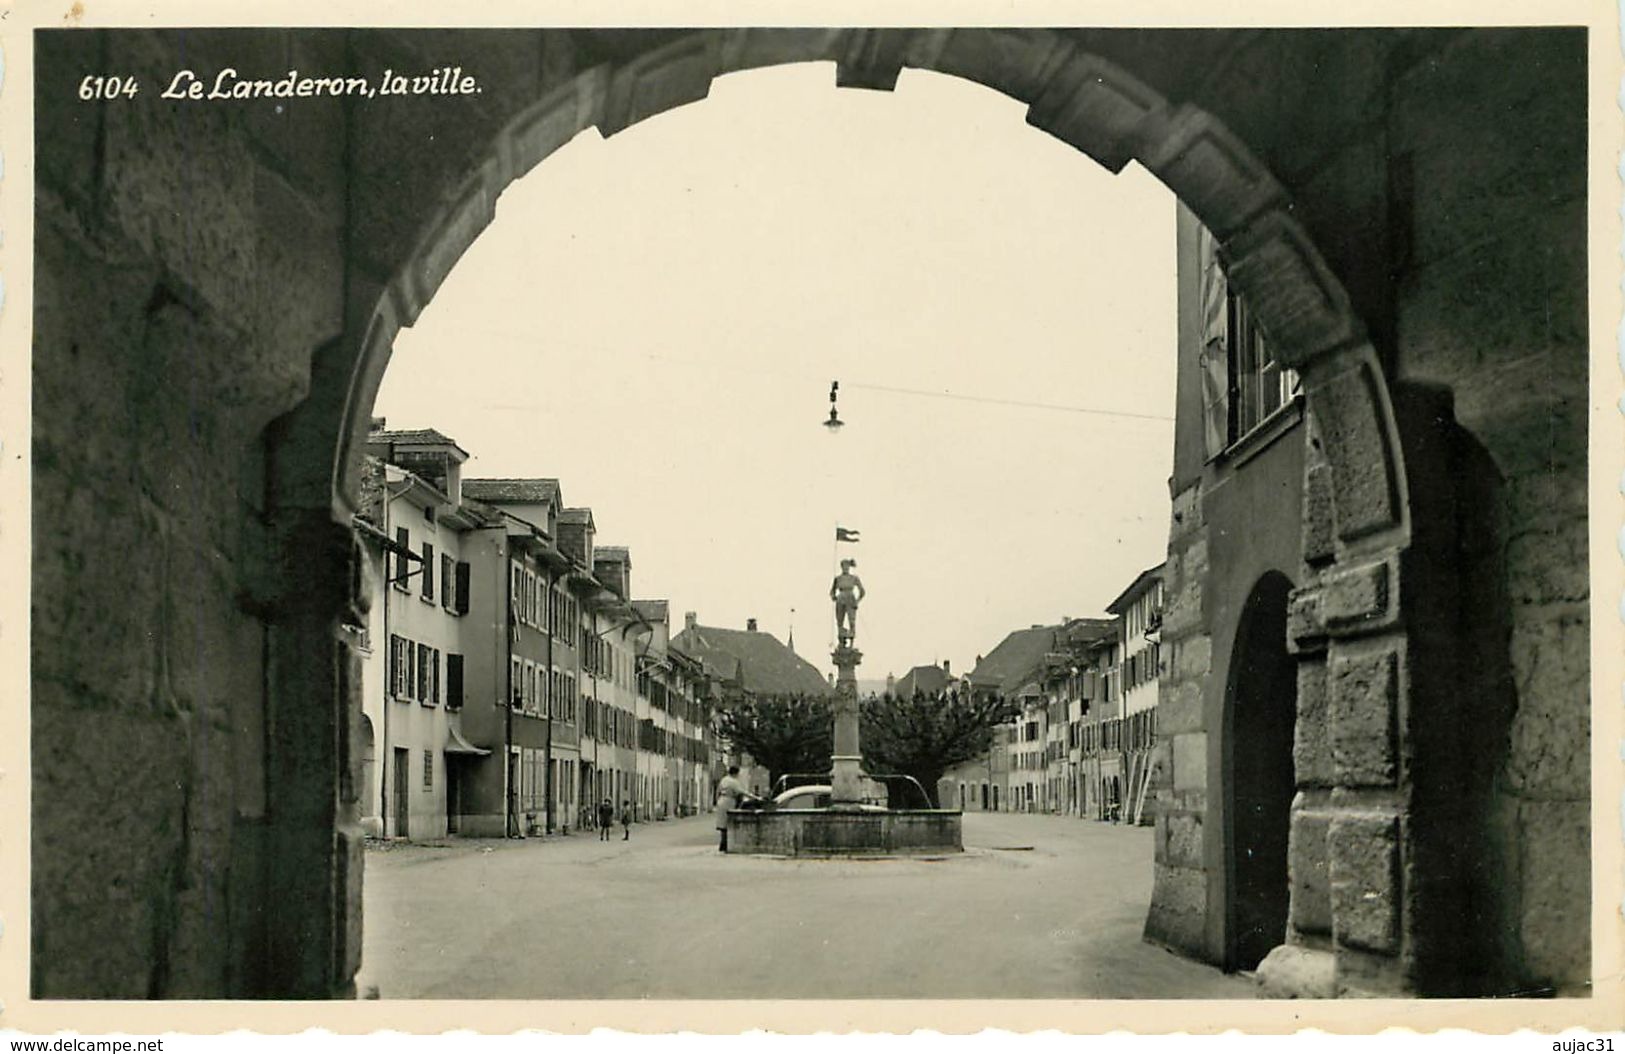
(447, 596)
(423, 672)
(435, 694)
(462, 587)
(454, 682)
(403, 538)
(1215, 354)
(428, 571)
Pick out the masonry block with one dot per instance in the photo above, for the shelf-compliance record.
(1311, 733)
(1554, 923)
(678, 73)
(1351, 425)
(1319, 520)
(1190, 761)
(1291, 971)
(1180, 708)
(1298, 302)
(1184, 840)
(1362, 702)
(1178, 915)
(1309, 865)
(1096, 107)
(1193, 657)
(1017, 61)
(110, 793)
(1359, 598)
(1305, 625)
(1550, 750)
(1365, 882)
(1212, 171)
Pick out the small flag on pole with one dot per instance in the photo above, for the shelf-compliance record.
(846, 534)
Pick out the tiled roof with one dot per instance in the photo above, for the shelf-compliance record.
(926, 680)
(1016, 660)
(758, 659)
(612, 553)
(575, 516)
(653, 610)
(425, 436)
(524, 491)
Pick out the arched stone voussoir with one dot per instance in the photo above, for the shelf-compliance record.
(1018, 62)
(668, 77)
(1212, 172)
(1100, 109)
(755, 47)
(1295, 298)
(1348, 398)
(552, 121)
(872, 58)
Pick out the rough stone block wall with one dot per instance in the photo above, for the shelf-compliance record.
(164, 341)
(1179, 911)
(1493, 304)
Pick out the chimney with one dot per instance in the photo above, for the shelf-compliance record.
(945, 668)
(750, 625)
(690, 620)
(377, 425)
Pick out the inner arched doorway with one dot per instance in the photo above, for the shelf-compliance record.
(1260, 711)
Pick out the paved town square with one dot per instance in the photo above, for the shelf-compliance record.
(1037, 907)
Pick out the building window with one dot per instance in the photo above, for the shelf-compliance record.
(448, 596)
(428, 770)
(403, 562)
(428, 571)
(454, 682)
(460, 606)
(1242, 384)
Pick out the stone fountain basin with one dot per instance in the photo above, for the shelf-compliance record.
(838, 832)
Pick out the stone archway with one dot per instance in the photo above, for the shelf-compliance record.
(329, 227)
(1078, 96)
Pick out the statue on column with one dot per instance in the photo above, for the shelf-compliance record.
(846, 591)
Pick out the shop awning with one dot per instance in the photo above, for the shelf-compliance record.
(456, 744)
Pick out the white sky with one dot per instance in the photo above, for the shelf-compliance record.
(655, 319)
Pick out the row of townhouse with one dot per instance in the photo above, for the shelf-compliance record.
(510, 681)
(1081, 740)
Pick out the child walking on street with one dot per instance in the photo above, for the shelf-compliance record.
(606, 819)
(626, 820)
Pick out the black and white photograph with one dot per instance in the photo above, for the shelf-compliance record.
(813, 514)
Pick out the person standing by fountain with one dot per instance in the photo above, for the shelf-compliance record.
(730, 793)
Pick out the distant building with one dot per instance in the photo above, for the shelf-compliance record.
(1139, 623)
(418, 633)
(923, 680)
(749, 662)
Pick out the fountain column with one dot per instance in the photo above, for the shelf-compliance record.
(846, 761)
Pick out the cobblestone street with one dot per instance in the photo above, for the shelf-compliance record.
(1037, 907)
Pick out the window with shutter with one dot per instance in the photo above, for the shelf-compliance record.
(428, 571)
(447, 596)
(423, 672)
(462, 587)
(403, 539)
(434, 693)
(454, 682)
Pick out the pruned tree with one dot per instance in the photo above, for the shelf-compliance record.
(926, 735)
(783, 733)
